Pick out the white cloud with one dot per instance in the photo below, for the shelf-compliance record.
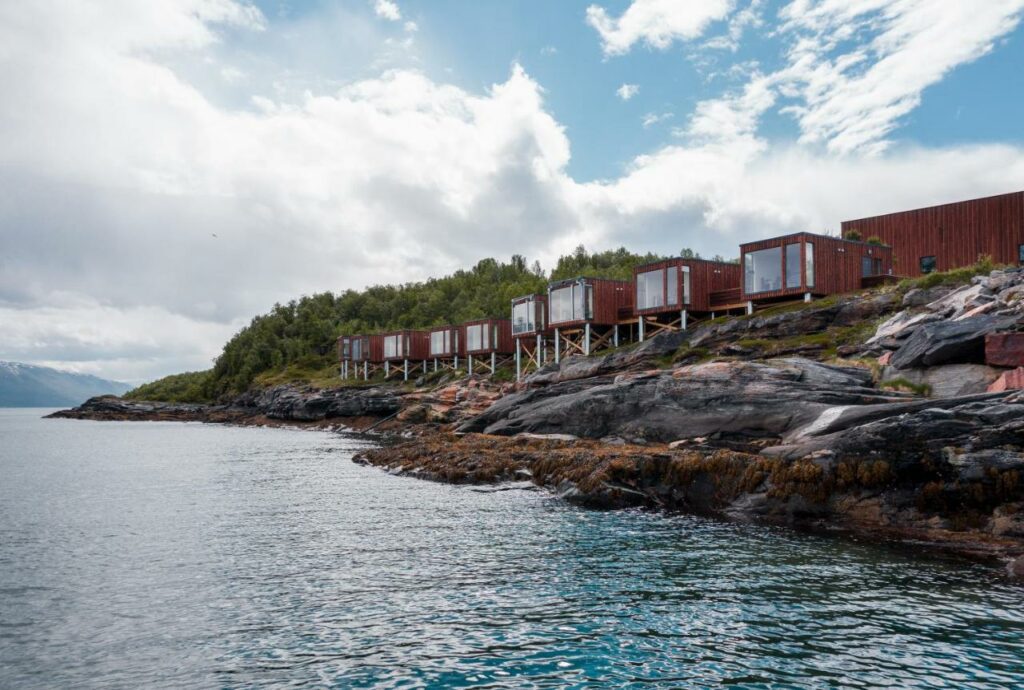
(411, 27)
(387, 9)
(655, 22)
(852, 98)
(651, 119)
(108, 214)
(627, 91)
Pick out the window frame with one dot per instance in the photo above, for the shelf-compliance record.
(934, 264)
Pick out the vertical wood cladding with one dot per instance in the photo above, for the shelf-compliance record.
(502, 345)
(609, 298)
(705, 277)
(355, 348)
(456, 343)
(837, 266)
(418, 344)
(955, 234)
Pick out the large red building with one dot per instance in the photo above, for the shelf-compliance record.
(949, 236)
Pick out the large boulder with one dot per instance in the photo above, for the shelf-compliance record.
(730, 399)
(950, 341)
(946, 380)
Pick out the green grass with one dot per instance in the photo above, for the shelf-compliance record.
(901, 383)
(957, 276)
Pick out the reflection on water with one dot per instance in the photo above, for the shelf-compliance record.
(136, 554)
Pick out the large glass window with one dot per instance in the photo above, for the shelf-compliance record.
(763, 270)
(792, 265)
(672, 286)
(477, 337)
(650, 289)
(809, 264)
(560, 303)
(392, 346)
(865, 266)
(927, 264)
(440, 342)
(522, 317)
(346, 348)
(1020, 253)
(686, 284)
(357, 349)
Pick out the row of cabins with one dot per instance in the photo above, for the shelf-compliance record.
(580, 315)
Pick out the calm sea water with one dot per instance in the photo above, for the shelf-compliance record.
(155, 554)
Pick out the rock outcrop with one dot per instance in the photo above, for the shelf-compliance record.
(736, 399)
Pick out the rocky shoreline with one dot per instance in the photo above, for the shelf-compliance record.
(876, 414)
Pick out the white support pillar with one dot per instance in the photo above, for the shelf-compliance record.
(471, 365)
(807, 297)
(682, 320)
(519, 369)
(558, 348)
(456, 361)
(615, 335)
(539, 352)
(387, 369)
(586, 339)
(435, 364)
(366, 371)
(405, 370)
(750, 306)
(494, 362)
(640, 324)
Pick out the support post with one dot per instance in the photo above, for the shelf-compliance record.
(471, 365)
(750, 307)
(494, 362)
(682, 320)
(586, 339)
(435, 364)
(807, 297)
(366, 371)
(456, 362)
(640, 323)
(387, 369)
(558, 348)
(615, 336)
(405, 370)
(519, 370)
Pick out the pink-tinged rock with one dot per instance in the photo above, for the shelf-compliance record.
(884, 359)
(1011, 380)
(1005, 349)
(983, 309)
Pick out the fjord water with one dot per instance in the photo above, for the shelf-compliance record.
(157, 554)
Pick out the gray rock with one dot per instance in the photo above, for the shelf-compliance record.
(919, 297)
(949, 341)
(731, 399)
(947, 380)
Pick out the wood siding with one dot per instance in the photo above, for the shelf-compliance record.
(955, 234)
(502, 345)
(540, 315)
(365, 353)
(705, 277)
(610, 298)
(376, 348)
(837, 265)
(419, 345)
(455, 336)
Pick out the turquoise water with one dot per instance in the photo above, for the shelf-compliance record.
(170, 555)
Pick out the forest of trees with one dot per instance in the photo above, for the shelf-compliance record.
(303, 332)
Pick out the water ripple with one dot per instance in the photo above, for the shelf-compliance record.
(183, 555)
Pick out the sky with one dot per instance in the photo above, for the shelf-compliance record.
(171, 168)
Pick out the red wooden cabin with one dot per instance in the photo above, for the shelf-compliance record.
(585, 313)
(940, 238)
(530, 332)
(360, 355)
(669, 291)
(446, 342)
(805, 264)
(488, 341)
(408, 347)
(530, 316)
